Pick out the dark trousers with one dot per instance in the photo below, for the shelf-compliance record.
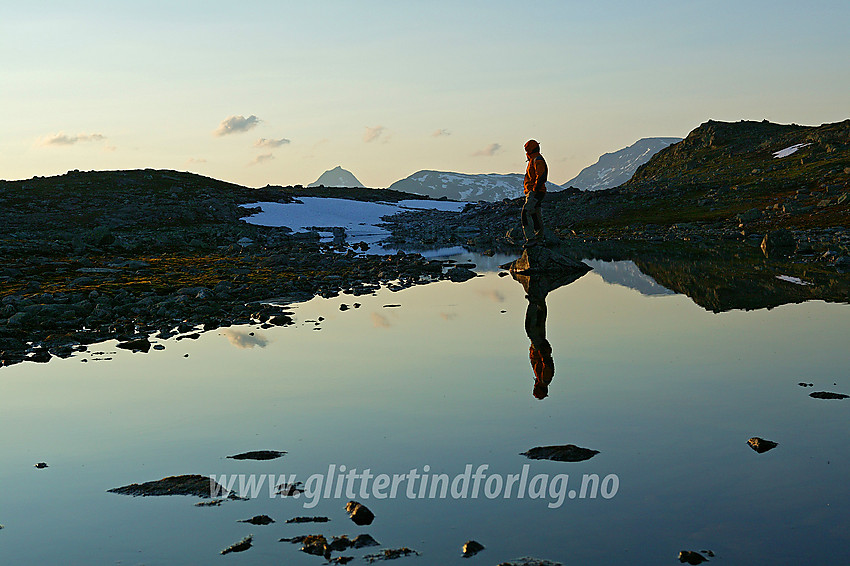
(531, 210)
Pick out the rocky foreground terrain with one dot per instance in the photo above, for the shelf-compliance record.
(127, 254)
(90, 256)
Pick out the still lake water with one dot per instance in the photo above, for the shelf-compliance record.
(668, 393)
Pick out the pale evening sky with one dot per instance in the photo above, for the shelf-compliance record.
(276, 92)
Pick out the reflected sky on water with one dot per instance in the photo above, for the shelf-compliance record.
(667, 392)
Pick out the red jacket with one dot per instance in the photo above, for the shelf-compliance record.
(535, 174)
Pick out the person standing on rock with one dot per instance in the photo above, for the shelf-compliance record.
(534, 186)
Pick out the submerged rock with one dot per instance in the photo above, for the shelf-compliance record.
(240, 546)
(199, 486)
(308, 520)
(565, 453)
(828, 395)
(390, 554)
(471, 548)
(364, 540)
(259, 520)
(341, 560)
(359, 513)
(761, 445)
(289, 489)
(526, 561)
(258, 455)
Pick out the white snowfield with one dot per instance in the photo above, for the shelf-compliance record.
(789, 150)
(358, 218)
(791, 279)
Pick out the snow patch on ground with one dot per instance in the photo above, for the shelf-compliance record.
(794, 280)
(358, 218)
(789, 150)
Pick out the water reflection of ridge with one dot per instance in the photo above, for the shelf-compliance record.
(627, 274)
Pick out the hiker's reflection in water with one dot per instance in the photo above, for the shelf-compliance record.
(537, 287)
(540, 351)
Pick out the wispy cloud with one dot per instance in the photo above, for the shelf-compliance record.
(373, 134)
(195, 160)
(64, 139)
(380, 321)
(244, 340)
(441, 132)
(493, 294)
(263, 158)
(488, 151)
(263, 142)
(236, 124)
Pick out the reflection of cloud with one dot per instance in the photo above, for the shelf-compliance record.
(441, 132)
(244, 340)
(488, 151)
(194, 161)
(380, 321)
(64, 139)
(236, 124)
(260, 159)
(373, 133)
(448, 315)
(263, 142)
(493, 294)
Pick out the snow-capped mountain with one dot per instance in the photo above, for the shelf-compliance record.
(614, 169)
(462, 186)
(337, 177)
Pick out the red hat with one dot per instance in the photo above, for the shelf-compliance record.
(531, 146)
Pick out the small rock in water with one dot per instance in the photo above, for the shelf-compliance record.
(364, 540)
(210, 503)
(471, 548)
(526, 561)
(258, 455)
(342, 559)
(308, 520)
(290, 489)
(139, 345)
(691, 557)
(804, 384)
(761, 445)
(340, 543)
(343, 307)
(359, 513)
(240, 546)
(192, 484)
(41, 465)
(389, 554)
(828, 395)
(316, 545)
(565, 453)
(259, 520)
(294, 539)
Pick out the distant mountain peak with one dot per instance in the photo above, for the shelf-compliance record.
(464, 186)
(337, 177)
(615, 168)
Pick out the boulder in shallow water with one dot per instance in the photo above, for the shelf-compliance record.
(471, 548)
(761, 445)
(539, 259)
(240, 546)
(359, 513)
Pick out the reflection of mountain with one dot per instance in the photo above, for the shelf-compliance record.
(627, 274)
(728, 277)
